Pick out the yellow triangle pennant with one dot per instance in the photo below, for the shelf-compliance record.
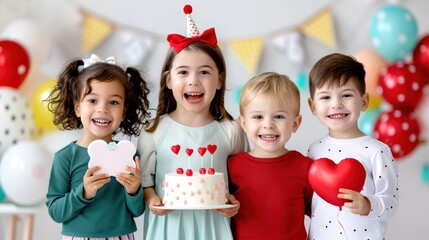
(321, 28)
(248, 51)
(95, 30)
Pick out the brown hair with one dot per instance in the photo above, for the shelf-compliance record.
(166, 101)
(336, 70)
(272, 85)
(73, 80)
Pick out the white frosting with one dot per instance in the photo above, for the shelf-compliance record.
(198, 190)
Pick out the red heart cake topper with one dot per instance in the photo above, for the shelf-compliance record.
(327, 178)
(175, 148)
(211, 148)
(202, 151)
(189, 151)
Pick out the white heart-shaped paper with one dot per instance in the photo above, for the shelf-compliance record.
(112, 157)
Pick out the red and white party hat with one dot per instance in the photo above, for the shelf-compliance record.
(192, 30)
(179, 42)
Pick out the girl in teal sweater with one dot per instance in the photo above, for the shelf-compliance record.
(101, 98)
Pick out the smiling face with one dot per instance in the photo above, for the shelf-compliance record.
(269, 124)
(339, 108)
(193, 79)
(101, 111)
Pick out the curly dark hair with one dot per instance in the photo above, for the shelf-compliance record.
(74, 79)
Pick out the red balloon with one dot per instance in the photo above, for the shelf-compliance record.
(401, 85)
(398, 129)
(421, 56)
(326, 178)
(14, 63)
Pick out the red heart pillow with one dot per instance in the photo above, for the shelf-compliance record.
(327, 178)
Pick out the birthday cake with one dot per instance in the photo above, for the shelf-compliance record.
(189, 190)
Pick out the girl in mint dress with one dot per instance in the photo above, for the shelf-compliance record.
(190, 113)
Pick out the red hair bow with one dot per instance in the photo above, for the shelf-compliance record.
(179, 42)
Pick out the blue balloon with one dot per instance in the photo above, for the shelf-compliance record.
(393, 32)
(367, 120)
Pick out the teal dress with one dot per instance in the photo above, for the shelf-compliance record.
(110, 213)
(158, 159)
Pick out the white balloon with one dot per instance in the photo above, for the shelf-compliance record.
(16, 120)
(55, 140)
(24, 172)
(33, 36)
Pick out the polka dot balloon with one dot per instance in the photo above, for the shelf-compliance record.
(393, 32)
(421, 56)
(401, 85)
(14, 63)
(400, 130)
(16, 121)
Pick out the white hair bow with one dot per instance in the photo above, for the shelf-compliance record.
(95, 59)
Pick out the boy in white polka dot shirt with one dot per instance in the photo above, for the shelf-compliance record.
(337, 97)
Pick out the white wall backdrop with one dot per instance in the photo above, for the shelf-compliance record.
(142, 20)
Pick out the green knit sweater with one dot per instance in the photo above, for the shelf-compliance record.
(110, 213)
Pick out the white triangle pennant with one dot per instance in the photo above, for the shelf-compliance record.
(134, 49)
(290, 45)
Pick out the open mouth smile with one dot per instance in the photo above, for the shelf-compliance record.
(338, 116)
(194, 97)
(101, 122)
(268, 137)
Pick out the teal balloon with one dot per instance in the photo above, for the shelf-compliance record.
(2, 195)
(237, 95)
(425, 173)
(301, 80)
(393, 32)
(367, 120)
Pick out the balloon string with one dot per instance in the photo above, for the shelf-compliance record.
(338, 219)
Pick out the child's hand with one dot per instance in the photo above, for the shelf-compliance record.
(359, 203)
(229, 212)
(131, 181)
(91, 182)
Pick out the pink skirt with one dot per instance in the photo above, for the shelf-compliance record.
(124, 237)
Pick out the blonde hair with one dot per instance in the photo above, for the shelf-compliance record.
(274, 86)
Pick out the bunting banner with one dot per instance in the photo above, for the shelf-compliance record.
(321, 28)
(248, 52)
(290, 45)
(136, 47)
(94, 31)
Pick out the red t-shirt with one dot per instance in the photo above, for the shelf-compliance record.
(274, 195)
